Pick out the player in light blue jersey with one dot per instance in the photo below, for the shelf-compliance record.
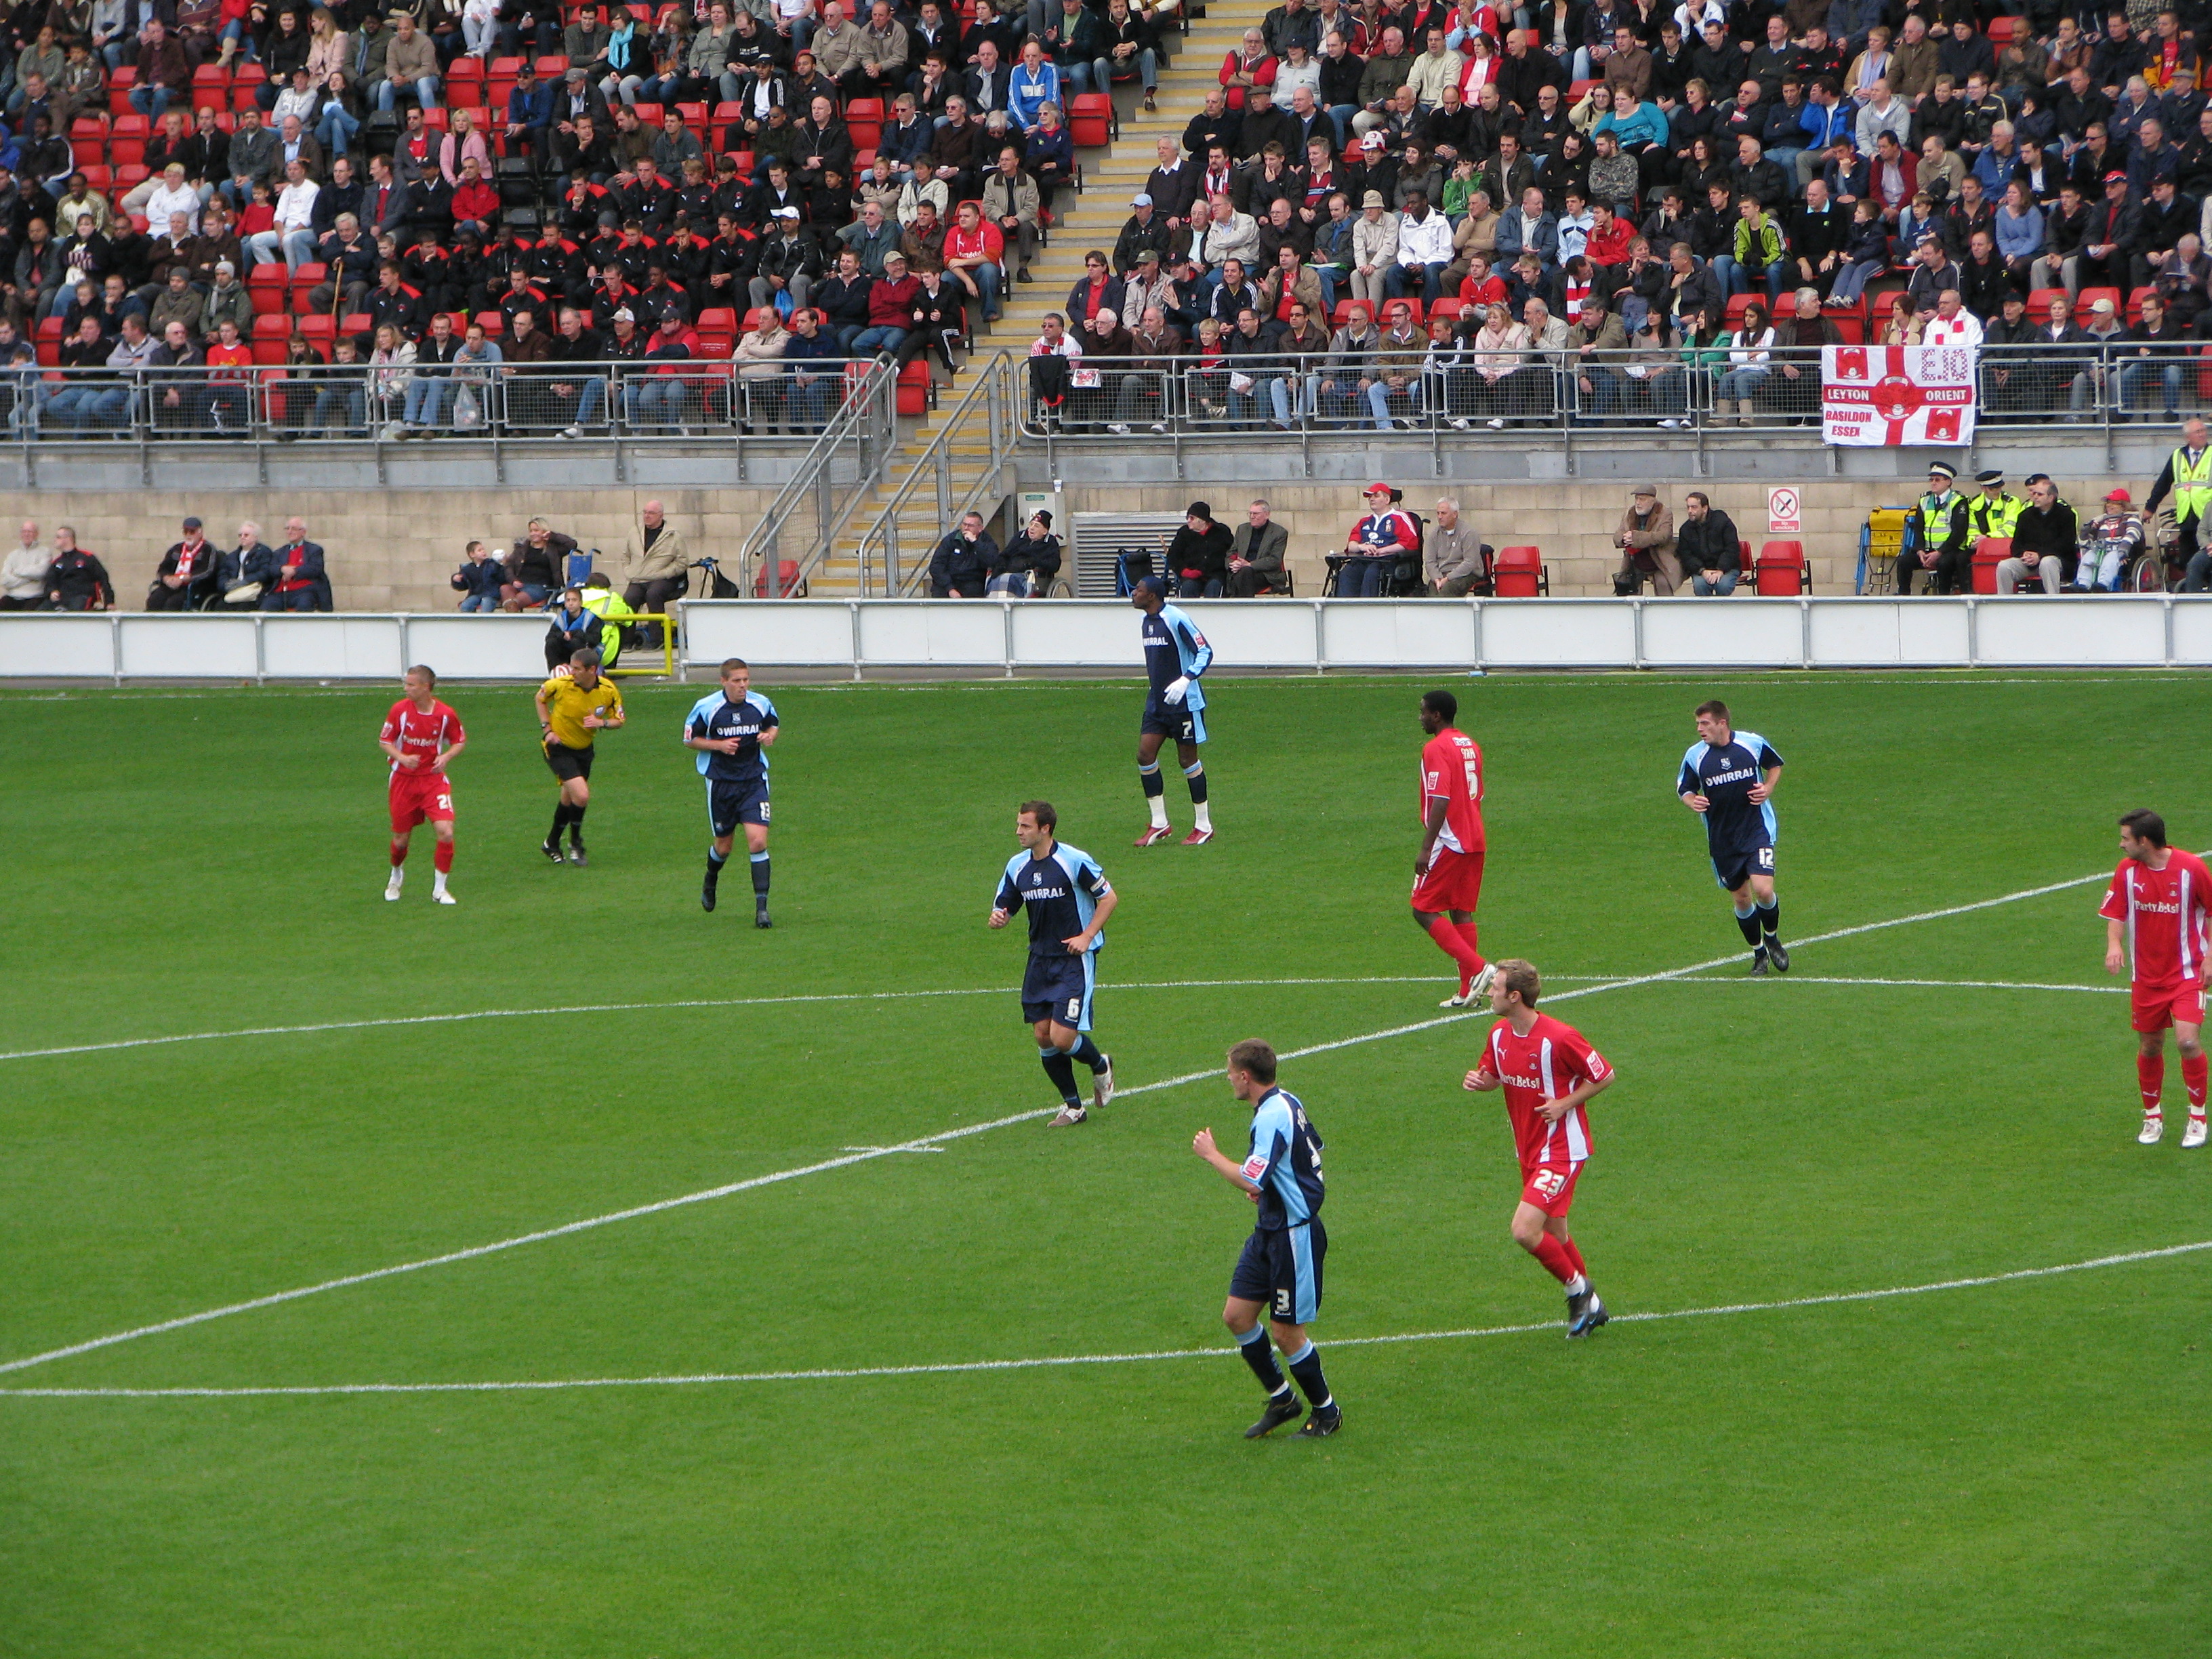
(732, 729)
(1176, 655)
(1278, 1274)
(1728, 779)
(1068, 899)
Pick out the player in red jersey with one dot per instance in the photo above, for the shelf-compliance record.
(1549, 1074)
(1448, 873)
(424, 737)
(2155, 919)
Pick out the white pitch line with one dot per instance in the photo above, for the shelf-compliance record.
(1947, 984)
(698, 1002)
(1059, 1361)
(590, 1222)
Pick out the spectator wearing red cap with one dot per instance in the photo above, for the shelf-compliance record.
(2110, 544)
(1377, 541)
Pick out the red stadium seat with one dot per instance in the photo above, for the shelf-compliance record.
(494, 322)
(126, 152)
(211, 75)
(1782, 571)
(247, 74)
(1519, 573)
(1090, 118)
(1388, 307)
(1449, 307)
(718, 320)
(2000, 31)
(319, 327)
(1990, 552)
(915, 387)
(649, 114)
(270, 352)
(356, 322)
(465, 70)
(2135, 303)
(552, 67)
(50, 328)
(272, 325)
(2086, 301)
(133, 125)
(97, 175)
(864, 119)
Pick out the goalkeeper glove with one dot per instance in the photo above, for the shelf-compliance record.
(1177, 690)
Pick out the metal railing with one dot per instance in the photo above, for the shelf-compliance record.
(1451, 398)
(989, 414)
(358, 403)
(836, 474)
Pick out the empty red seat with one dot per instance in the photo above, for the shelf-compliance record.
(1519, 573)
(274, 325)
(1090, 118)
(1781, 572)
(1990, 552)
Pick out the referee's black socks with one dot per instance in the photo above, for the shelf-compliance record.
(1087, 1051)
(576, 826)
(561, 816)
(1253, 1344)
(1061, 1070)
(1305, 1366)
(1770, 917)
(1747, 921)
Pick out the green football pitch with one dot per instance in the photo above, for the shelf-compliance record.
(888, 1388)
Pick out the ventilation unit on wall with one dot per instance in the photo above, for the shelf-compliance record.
(1095, 537)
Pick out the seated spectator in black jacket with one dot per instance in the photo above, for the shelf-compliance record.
(1198, 557)
(1030, 562)
(186, 573)
(963, 564)
(77, 581)
(1707, 547)
(243, 574)
(2046, 540)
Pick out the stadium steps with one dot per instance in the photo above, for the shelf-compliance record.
(1111, 176)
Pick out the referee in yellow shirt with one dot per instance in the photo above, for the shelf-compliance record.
(572, 706)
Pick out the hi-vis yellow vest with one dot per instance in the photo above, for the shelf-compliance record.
(2192, 485)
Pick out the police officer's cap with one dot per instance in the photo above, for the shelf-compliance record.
(1989, 478)
(1942, 470)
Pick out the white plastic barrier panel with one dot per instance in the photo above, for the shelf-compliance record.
(2107, 632)
(337, 647)
(813, 633)
(1389, 633)
(479, 647)
(934, 633)
(1891, 633)
(2193, 634)
(1079, 633)
(1252, 633)
(1559, 634)
(1729, 633)
(36, 647)
(163, 647)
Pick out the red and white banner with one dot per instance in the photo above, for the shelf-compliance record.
(1890, 395)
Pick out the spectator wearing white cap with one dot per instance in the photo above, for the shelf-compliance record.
(1145, 227)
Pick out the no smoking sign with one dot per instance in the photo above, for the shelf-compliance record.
(1783, 514)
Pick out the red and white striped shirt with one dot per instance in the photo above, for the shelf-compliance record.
(2166, 913)
(1548, 1063)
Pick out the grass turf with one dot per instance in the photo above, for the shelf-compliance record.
(2009, 1470)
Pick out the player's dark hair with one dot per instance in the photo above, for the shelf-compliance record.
(1042, 812)
(1441, 703)
(729, 663)
(1714, 706)
(2144, 825)
(1254, 1057)
(1519, 976)
(426, 673)
(586, 657)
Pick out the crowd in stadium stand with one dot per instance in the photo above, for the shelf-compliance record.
(406, 219)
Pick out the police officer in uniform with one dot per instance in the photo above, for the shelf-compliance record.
(2188, 474)
(1994, 512)
(1938, 539)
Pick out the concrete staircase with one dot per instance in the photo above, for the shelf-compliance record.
(1111, 176)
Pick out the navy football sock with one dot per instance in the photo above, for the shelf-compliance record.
(1196, 772)
(1087, 1051)
(1305, 1366)
(1061, 1071)
(1749, 921)
(1770, 917)
(1253, 1344)
(714, 862)
(760, 875)
(1149, 777)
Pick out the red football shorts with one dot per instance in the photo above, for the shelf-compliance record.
(1454, 883)
(1551, 1188)
(2156, 1007)
(414, 799)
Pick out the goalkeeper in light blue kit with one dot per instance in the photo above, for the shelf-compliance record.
(1176, 655)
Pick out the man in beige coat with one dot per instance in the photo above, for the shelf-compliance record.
(1646, 541)
(656, 565)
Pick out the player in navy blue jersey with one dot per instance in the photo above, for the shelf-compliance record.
(1176, 654)
(1068, 899)
(1278, 1276)
(732, 729)
(1727, 778)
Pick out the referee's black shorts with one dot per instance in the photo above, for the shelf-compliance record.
(568, 763)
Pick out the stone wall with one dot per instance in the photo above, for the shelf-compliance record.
(388, 550)
(1572, 523)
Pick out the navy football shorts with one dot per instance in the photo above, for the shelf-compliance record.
(1060, 988)
(1733, 869)
(1281, 1270)
(729, 805)
(1177, 721)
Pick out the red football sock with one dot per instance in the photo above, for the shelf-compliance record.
(1460, 949)
(1467, 934)
(1553, 1255)
(399, 853)
(2193, 1069)
(2150, 1073)
(1574, 1255)
(443, 857)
